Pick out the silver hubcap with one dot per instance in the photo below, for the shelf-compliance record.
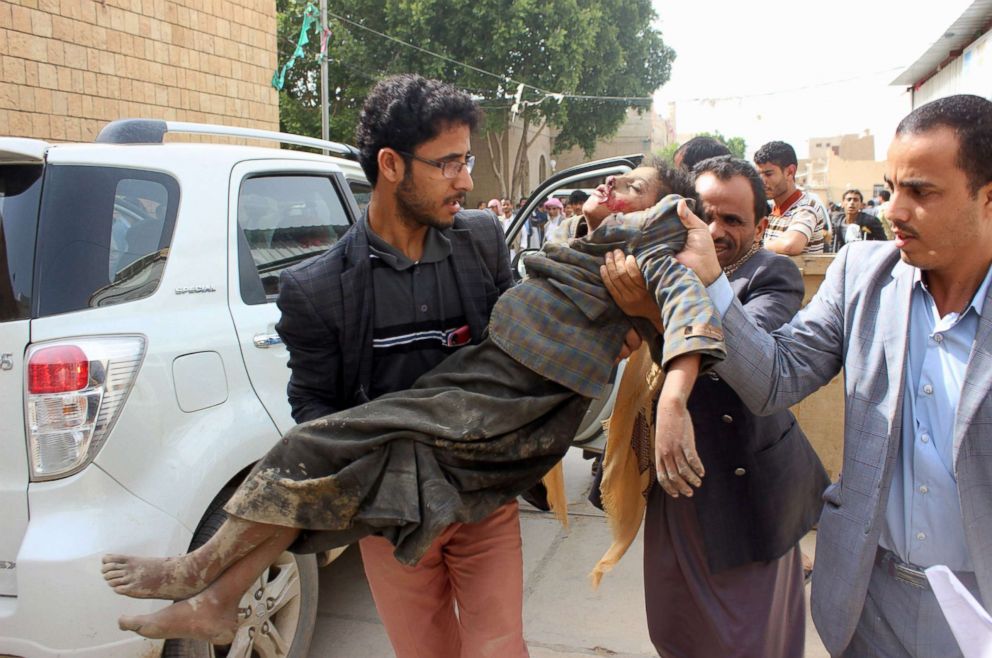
(269, 613)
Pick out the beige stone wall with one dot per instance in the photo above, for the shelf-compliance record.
(70, 66)
(642, 132)
(486, 183)
(634, 136)
(821, 415)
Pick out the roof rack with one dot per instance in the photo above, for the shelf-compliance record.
(152, 131)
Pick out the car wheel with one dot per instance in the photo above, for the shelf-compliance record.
(277, 614)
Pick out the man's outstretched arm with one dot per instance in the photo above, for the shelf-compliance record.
(771, 371)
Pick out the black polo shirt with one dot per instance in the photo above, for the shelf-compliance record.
(418, 319)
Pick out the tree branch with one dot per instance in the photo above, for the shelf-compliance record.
(497, 159)
(537, 133)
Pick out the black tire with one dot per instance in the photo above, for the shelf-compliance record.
(305, 613)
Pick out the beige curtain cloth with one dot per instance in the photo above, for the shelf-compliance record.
(628, 463)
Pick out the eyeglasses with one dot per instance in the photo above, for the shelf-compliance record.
(449, 168)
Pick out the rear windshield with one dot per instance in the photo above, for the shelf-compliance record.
(104, 236)
(20, 191)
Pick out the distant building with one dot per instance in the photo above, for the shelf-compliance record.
(71, 67)
(958, 62)
(840, 163)
(848, 147)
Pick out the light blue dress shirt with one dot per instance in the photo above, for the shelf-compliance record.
(923, 523)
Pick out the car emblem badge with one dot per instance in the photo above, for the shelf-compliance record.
(195, 290)
(6, 361)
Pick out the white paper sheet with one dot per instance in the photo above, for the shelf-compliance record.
(970, 623)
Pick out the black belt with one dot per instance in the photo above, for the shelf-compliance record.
(911, 573)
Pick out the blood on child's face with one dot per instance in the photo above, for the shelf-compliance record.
(636, 190)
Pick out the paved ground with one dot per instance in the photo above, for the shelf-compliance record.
(563, 617)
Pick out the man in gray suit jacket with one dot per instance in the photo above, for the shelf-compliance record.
(910, 322)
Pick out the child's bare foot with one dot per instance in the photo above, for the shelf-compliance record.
(155, 578)
(199, 618)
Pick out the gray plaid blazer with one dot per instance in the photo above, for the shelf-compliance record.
(326, 309)
(859, 320)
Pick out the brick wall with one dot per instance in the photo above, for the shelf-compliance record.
(67, 67)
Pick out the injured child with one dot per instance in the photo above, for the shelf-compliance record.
(469, 436)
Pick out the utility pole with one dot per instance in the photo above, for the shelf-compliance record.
(325, 128)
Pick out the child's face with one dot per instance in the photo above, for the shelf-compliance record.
(637, 190)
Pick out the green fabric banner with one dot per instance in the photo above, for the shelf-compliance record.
(310, 17)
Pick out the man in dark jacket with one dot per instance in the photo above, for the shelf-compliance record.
(413, 282)
(722, 569)
(854, 224)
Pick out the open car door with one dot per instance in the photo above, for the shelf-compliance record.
(590, 435)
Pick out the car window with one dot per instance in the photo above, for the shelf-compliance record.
(362, 192)
(104, 236)
(20, 196)
(284, 219)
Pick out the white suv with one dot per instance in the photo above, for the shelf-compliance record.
(140, 372)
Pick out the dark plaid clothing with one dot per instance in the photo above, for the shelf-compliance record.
(469, 436)
(483, 426)
(564, 325)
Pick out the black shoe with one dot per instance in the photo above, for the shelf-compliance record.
(538, 497)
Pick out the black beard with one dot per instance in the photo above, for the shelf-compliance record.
(414, 207)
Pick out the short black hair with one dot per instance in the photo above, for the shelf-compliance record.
(853, 191)
(404, 111)
(779, 154)
(725, 167)
(970, 117)
(577, 197)
(700, 148)
(885, 195)
(673, 180)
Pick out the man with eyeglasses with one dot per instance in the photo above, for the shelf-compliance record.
(408, 285)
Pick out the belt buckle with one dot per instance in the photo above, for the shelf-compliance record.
(905, 572)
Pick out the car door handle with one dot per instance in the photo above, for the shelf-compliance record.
(264, 341)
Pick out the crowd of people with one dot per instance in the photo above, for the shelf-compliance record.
(433, 397)
(798, 221)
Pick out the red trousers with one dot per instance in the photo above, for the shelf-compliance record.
(464, 599)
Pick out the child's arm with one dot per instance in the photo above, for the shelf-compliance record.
(626, 284)
(676, 461)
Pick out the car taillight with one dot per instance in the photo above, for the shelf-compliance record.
(58, 370)
(73, 394)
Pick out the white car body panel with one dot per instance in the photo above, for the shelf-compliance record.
(14, 338)
(161, 467)
(73, 521)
